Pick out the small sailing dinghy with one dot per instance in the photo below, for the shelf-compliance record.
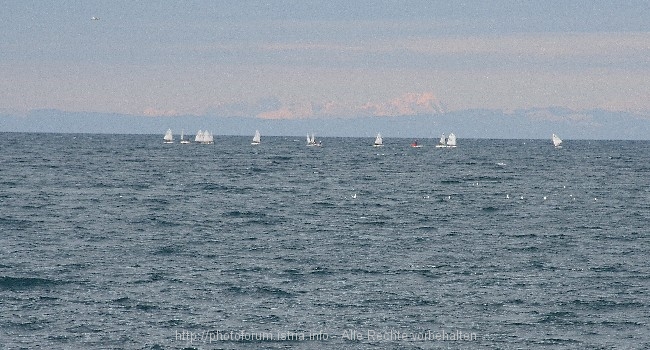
(257, 139)
(183, 140)
(557, 141)
(451, 140)
(311, 141)
(443, 142)
(204, 137)
(447, 142)
(169, 137)
(378, 141)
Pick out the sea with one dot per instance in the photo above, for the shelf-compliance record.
(124, 242)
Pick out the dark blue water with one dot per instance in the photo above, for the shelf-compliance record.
(115, 241)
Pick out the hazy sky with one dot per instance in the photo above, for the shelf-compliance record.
(287, 59)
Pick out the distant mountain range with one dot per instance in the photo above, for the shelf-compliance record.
(518, 124)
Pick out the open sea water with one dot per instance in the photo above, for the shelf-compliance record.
(123, 242)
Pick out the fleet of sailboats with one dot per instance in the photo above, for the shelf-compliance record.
(206, 137)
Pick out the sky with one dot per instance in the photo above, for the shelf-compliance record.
(308, 59)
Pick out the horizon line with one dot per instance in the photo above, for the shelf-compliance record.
(321, 136)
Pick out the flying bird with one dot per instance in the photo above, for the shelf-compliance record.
(94, 18)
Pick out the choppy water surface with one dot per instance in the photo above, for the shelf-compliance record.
(125, 242)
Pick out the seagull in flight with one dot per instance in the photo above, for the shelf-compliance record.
(93, 18)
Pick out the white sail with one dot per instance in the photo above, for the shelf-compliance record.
(204, 137)
(183, 140)
(442, 142)
(311, 141)
(257, 139)
(207, 137)
(379, 141)
(557, 142)
(451, 140)
(169, 137)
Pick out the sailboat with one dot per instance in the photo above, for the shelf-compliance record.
(378, 141)
(204, 137)
(415, 144)
(183, 140)
(208, 139)
(447, 142)
(557, 141)
(311, 141)
(169, 137)
(451, 140)
(443, 142)
(257, 139)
